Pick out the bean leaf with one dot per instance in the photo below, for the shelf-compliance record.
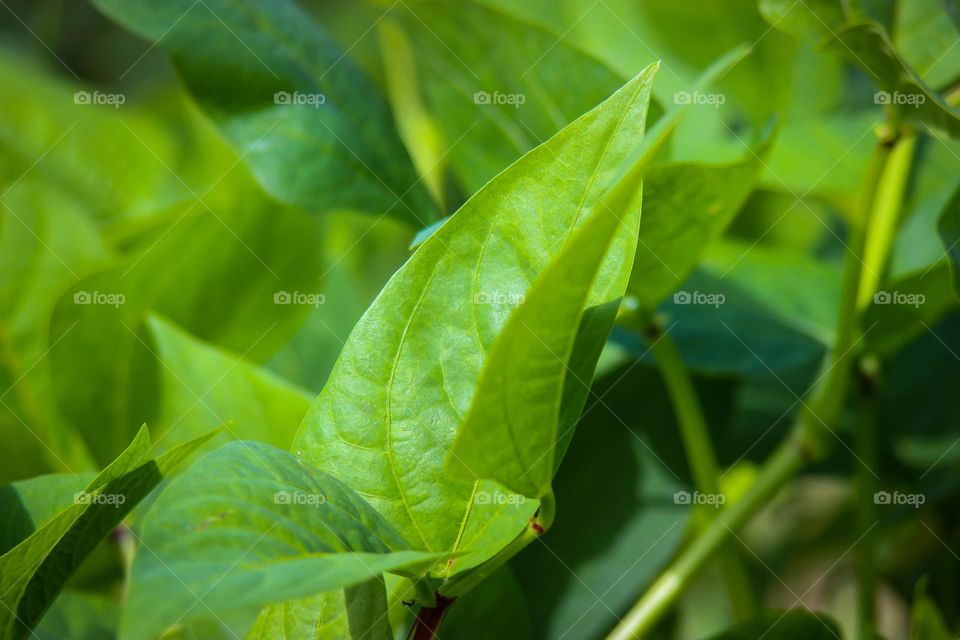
(389, 412)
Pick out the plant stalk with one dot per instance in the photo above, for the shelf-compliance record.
(808, 440)
(702, 459)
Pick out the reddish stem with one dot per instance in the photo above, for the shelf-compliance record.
(429, 620)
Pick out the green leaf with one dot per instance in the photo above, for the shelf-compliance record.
(27, 505)
(813, 20)
(122, 163)
(249, 525)
(80, 616)
(687, 205)
(511, 429)
(355, 613)
(313, 129)
(46, 243)
(203, 387)
(35, 570)
(104, 367)
(498, 86)
(410, 367)
(925, 36)
(794, 624)
(418, 129)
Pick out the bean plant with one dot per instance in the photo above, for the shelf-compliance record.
(478, 319)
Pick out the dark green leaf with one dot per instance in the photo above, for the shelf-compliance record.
(312, 127)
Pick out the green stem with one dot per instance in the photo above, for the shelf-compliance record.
(700, 454)
(866, 487)
(809, 438)
(782, 465)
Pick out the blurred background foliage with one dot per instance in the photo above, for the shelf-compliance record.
(153, 200)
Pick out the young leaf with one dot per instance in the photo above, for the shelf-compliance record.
(390, 410)
(248, 525)
(202, 387)
(510, 432)
(35, 570)
(313, 128)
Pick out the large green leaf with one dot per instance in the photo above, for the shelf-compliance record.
(390, 410)
(248, 525)
(35, 570)
(865, 44)
(203, 387)
(795, 624)
(312, 127)
(510, 432)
